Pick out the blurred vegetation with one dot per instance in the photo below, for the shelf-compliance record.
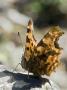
(43, 12)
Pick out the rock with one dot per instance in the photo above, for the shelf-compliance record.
(20, 81)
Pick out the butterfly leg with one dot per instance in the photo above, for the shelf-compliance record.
(16, 66)
(12, 78)
(28, 73)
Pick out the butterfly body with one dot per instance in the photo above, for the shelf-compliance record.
(43, 57)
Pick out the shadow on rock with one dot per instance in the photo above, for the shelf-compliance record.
(22, 82)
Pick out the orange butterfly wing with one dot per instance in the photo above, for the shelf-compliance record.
(42, 58)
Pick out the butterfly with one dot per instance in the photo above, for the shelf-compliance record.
(42, 58)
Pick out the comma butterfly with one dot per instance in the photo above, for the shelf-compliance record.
(43, 57)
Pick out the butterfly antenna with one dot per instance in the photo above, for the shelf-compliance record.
(20, 38)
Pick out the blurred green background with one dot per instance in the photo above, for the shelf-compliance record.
(14, 16)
